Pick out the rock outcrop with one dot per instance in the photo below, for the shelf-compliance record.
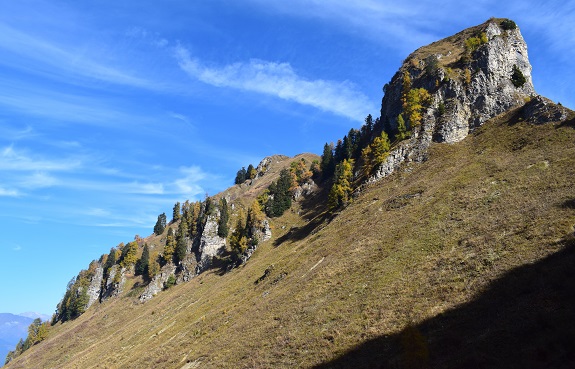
(158, 282)
(541, 110)
(115, 282)
(471, 77)
(210, 243)
(95, 286)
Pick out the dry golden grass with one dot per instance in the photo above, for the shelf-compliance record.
(420, 243)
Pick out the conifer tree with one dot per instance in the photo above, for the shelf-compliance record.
(403, 134)
(417, 100)
(143, 262)
(254, 219)
(327, 164)
(194, 219)
(238, 240)
(160, 224)
(110, 261)
(129, 254)
(170, 247)
(251, 172)
(181, 249)
(340, 193)
(181, 242)
(280, 195)
(380, 149)
(176, 213)
(153, 266)
(241, 176)
(223, 228)
(376, 153)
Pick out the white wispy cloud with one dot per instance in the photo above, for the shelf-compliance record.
(280, 80)
(14, 160)
(189, 183)
(38, 180)
(180, 117)
(5, 192)
(51, 59)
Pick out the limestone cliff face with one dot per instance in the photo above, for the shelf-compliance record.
(210, 243)
(157, 283)
(467, 85)
(95, 286)
(115, 282)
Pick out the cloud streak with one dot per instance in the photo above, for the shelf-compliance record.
(282, 81)
(12, 160)
(46, 57)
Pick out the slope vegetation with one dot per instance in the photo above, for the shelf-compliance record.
(445, 263)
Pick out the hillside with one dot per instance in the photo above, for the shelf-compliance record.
(450, 255)
(425, 248)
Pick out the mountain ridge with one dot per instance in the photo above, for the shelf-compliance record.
(416, 242)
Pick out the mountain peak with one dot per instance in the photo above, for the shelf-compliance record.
(471, 77)
(445, 90)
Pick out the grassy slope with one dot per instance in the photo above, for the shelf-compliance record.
(422, 244)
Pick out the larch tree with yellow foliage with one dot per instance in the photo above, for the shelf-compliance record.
(375, 154)
(340, 193)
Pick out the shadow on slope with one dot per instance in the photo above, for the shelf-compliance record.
(526, 319)
(314, 209)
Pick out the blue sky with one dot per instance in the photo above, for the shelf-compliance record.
(111, 111)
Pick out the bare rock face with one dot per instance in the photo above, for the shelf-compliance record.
(305, 189)
(468, 86)
(114, 283)
(95, 286)
(266, 231)
(210, 244)
(157, 283)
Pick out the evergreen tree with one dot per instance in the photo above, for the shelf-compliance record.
(181, 250)
(368, 124)
(346, 148)
(143, 262)
(327, 164)
(181, 242)
(251, 172)
(517, 78)
(209, 206)
(241, 176)
(280, 195)
(223, 228)
(80, 303)
(176, 213)
(110, 261)
(338, 155)
(403, 133)
(160, 224)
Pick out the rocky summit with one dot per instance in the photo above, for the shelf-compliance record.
(440, 236)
